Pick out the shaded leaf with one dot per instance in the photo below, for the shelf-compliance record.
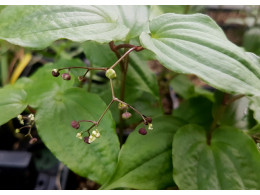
(145, 161)
(97, 160)
(196, 110)
(12, 103)
(140, 76)
(99, 55)
(231, 161)
(185, 88)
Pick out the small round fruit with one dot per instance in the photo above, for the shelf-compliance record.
(66, 76)
(142, 131)
(75, 124)
(110, 73)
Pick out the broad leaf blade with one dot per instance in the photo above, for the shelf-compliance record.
(144, 161)
(194, 44)
(196, 111)
(99, 55)
(185, 88)
(44, 86)
(232, 161)
(141, 76)
(134, 18)
(12, 103)
(38, 26)
(97, 160)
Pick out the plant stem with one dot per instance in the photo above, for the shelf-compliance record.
(82, 67)
(225, 102)
(118, 55)
(120, 101)
(123, 56)
(112, 88)
(105, 111)
(234, 99)
(4, 69)
(90, 80)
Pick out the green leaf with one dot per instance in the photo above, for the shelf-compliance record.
(194, 44)
(234, 114)
(12, 103)
(43, 85)
(65, 63)
(99, 55)
(231, 161)
(251, 40)
(196, 110)
(254, 105)
(97, 160)
(134, 18)
(140, 76)
(38, 26)
(145, 161)
(185, 88)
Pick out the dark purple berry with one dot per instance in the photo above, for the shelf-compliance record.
(75, 124)
(55, 73)
(66, 76)
(142, 131)
(148, 120)
(86, 140)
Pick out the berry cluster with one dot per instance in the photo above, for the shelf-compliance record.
(65, 76)
(87, 139)
(148, 121)
(110, 74)
(29, 124)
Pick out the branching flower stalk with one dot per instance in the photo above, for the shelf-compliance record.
(110, 74)
(29, 125)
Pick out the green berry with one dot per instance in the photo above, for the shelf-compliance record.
(111, 74)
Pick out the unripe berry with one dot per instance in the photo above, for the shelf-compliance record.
(126, 115)
(110, 73)
(86, 140)
(122, 106)
(75, 124)
(142, 131)
(55, 73)
(82, 78)
(33, 140)
(66, 76)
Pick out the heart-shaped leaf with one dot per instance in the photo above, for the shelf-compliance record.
(97, 160)
(12, 103)
(145, 161)
(231, 161)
